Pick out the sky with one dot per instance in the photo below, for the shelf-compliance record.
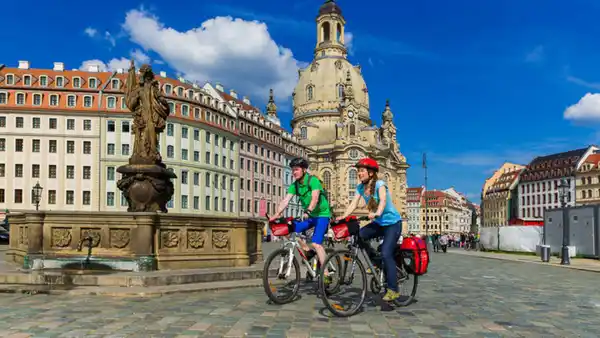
(472, 83)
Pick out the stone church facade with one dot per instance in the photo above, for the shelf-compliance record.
(332, 118)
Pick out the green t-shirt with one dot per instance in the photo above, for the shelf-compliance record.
(304, 195)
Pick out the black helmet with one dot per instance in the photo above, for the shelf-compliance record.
(299, 162)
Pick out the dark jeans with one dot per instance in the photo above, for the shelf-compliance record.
(391, 234)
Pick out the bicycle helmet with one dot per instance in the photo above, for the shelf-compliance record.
(299, 162)
(368, 163)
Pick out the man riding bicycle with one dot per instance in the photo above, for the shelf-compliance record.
(317, 212)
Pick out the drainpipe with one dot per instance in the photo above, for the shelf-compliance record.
(101, 119)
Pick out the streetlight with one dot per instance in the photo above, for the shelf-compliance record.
(36, 192)
(563, 191)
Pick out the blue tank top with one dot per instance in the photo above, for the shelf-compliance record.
(390, 215)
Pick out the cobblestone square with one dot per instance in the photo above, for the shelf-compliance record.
(461, 296)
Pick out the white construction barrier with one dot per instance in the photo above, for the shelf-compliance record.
(512, 238)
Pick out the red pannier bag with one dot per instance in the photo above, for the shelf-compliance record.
(346, 227)
(281, 226)
(414, 255)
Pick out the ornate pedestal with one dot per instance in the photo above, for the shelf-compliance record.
(147, 187)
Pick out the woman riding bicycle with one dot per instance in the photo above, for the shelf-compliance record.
(386, 220)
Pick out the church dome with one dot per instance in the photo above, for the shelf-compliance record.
(330, 7)
(320, 87)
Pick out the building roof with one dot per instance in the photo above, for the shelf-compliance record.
(504, 182)
(552, 166)
(330, 7)
(414, 194)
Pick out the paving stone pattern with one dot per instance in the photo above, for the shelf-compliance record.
(462, 296)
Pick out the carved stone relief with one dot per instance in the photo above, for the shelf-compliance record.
(24, 235)
(220, 239)
(61, 237)
(119, 238)
(94, 233)
(169, 238)
(196, 239)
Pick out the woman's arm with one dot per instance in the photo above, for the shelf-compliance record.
(352, 206)
(382, 200)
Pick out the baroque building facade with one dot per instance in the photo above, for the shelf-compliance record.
(332, 118)
(499, 195)
(70, 130)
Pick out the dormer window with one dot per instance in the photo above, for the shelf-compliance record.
(27, 80)
(60, 81)
(20, 98)
(71, 100)
(88, 101)
(54, 100)
(115, 83)
(180, 91)
(111, 102)
(197, 113)
(168, 89)
(172, 107)
(3, 98)
(190, 94)
(10, 79)
(185, 110)
(92, 83)
(76, 82)
(43, 80)
(37, 99)
(310, 92)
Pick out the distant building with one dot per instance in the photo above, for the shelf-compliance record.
(415, 212)
(498, 196)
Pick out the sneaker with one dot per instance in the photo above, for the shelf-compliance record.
(391, 295)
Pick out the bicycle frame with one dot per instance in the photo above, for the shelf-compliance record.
(357, 250)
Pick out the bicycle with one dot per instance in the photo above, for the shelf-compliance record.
(350, 227)
(283, 227)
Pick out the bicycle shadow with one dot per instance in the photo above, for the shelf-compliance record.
(372, 301)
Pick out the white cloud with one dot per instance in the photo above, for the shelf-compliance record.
(235, 52)
(349, 42)
(137, 55)
(588, 108)
(140, 57)
(91, 32)
(110, 38)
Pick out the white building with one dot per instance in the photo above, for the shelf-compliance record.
(538, 183)
(414, 198)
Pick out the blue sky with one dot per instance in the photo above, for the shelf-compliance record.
(472, 83)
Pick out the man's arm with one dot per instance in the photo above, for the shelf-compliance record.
(283, 204)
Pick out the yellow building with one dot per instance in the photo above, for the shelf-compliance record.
(332, 117)
(587, 181)
(497, 200)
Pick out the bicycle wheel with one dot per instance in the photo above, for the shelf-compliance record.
(409, 281)
(334, 301)
(334, 268)
(280, 274)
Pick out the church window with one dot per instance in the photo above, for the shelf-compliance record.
(340, 91)
(309, 92)
(326, 31)
(352, 178)
(304, 132)
(353, 154)
(327, 183)
(339, 33)
(352, 130)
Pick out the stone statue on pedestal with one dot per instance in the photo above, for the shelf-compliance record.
(146, 182)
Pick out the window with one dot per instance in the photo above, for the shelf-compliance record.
(37, 123)
(52, 171)
(110, 149)
(70, 124)
(53, 123)
(110, 199)
(18, 197)
(37, 99)
(86, 197)
(76, 82)
(20, 98)
(18, 170)
(207, 179)
(43, 81)
(71, 100)
(88, 101)
(51, 196)
(60, 81)
(170, 151)
(170, 129)
(125, 127)
(309, 93)
(70, 172)
(124, 149)
(2, 170)
(184, 201)
(87, 124)
(184, 177)
(54, 100)
(35, 146)
(172, 107)
(87, 147)
(207, 203)
(196, 202)
(70, 147)
(110, 173)
(110, 126)
(2, 144)
(3, 98)
(19, 145)
(303, 132)
(87, 172)
(111, 102)
(52, 147)
(70, 197)
(352, 181)
(20, 122)
(184, 154)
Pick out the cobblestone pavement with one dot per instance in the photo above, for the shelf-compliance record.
(461, 296)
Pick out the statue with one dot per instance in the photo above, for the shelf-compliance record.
(146, 182)
(150, 111)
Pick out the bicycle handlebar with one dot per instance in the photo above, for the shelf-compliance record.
(360, 218)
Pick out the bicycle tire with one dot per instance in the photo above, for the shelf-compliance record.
(413, 293)
(338, 261)
(338, 312)
(266, 284)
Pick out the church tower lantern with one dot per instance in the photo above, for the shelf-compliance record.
(330, 31)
